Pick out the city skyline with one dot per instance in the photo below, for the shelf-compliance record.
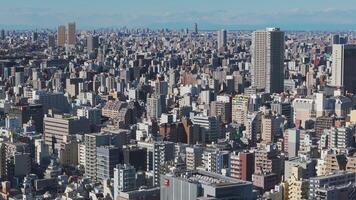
(210, 15)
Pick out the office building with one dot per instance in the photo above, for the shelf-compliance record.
(107, 157)
(307, 166)
(124, 179)
(92, 141)
(268, 60)
(132, 155)
(56, 127)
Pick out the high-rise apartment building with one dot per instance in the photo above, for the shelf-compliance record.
(268, 60)
(241, 165)
(271, 127)
(343, 67)
(268, 160)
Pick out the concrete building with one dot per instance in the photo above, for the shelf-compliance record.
(268, 60)
(194, 157)
(321, 183)
(293, 142)
(268, 160)
(271, 127)
(306, 165)
(340, 137)
(203, 185)
(15, 160)
(221, 109)
(159, 153)
(92, 141)
(216, 161)
(240, 109)
(298, 188)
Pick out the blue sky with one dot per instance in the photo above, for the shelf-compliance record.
(210, 14)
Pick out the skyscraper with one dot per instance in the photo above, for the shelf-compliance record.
(343, 67)
(268, 60)
(61, 36)
(222, 39)
(196, 28)
(92, 43)
(71, 37)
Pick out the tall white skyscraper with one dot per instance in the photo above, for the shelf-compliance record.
(268, 60)
(222, 39)
(71, 31)
(344, 67)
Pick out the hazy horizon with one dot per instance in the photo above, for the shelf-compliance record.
(326, 15)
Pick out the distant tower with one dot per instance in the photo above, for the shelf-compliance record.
(222, 39)
(61, 36)
(34, 37)
(2, 35)
(268, 60)
(196, 28)
(71, 37)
